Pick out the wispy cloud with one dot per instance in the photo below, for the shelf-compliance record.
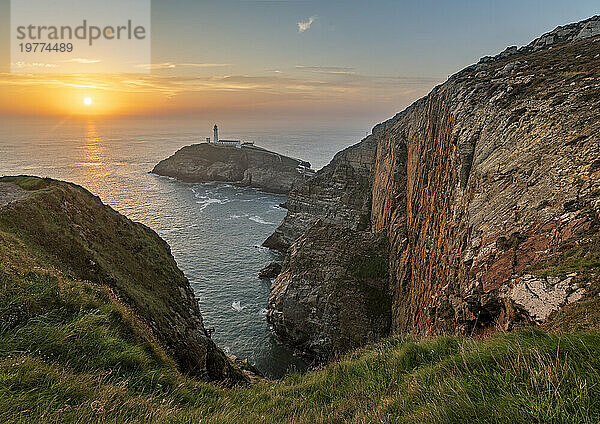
(334, 70)
(289, 88)
(83, 60)
(26, 65)
(304, 25)
(205, 65)
(171, 65)
(321, 85)
(158, 66)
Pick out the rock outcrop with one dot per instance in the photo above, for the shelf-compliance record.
(339, 193)
(332, 295)
(248, 166)
(9, 192)
(270, 271)
(488, 189)
(70, 230)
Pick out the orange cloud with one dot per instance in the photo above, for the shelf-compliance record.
(333, 88)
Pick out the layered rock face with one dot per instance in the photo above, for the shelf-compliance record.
(339, 193)
(489, 191)
(72, 231)
(248, 166)
(489, 177)
(332, 295)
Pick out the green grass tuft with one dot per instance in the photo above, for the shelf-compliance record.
(27, 183)
(575, 259)
(369, 267)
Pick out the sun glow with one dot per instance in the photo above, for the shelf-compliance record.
(87, 101)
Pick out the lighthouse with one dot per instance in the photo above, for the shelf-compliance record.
(230, 143)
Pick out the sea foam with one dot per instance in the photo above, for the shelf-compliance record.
(259, 220)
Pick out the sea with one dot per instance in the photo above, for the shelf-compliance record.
(215, 230)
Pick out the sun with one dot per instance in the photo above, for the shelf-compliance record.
(87, 101)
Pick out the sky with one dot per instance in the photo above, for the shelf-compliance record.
(283, 60)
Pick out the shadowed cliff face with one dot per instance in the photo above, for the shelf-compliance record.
(333, 293)
(340, 193)
(488, 189)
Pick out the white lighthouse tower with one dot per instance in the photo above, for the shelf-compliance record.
(216, 134)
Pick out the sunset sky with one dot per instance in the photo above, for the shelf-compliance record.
(277, 59)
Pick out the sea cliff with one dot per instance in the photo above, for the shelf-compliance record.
(488, 190)
(332, 295)
(339, 193)
(473, 183)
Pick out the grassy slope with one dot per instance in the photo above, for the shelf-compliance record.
(56, 372)
(70, 352)
(66, 228)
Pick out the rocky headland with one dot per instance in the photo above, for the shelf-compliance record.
(488, 191)
(248, 166)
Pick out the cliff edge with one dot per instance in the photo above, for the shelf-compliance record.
(62, 233)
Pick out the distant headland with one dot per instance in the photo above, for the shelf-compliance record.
(237, 162)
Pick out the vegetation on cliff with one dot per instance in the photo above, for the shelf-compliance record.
(496, 186)
(76, 355)
(488, 189)
(63, 233)
(97, 324)
(71, 350)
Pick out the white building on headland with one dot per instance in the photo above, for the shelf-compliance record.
(232, 143)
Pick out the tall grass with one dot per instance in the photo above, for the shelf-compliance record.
(94, 363)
